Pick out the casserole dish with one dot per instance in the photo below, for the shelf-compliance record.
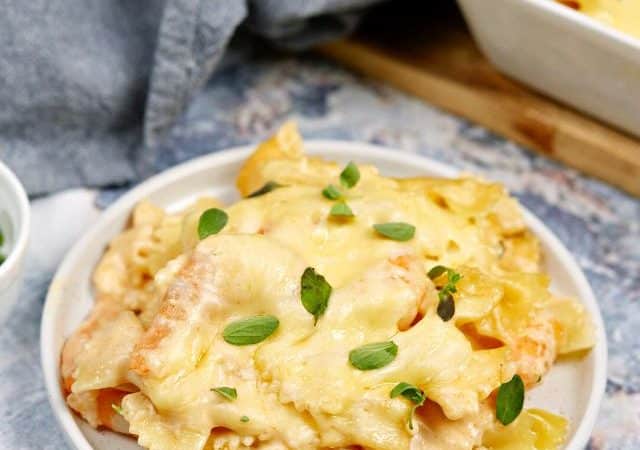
(562, 53)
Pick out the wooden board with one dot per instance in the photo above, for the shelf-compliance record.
(437, 60)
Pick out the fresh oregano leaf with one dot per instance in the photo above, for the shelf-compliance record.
(350, 175)
(510, 400)
(446, 307)
(251, 330)
(436, 271)
(268, 187)
(341, 209)
(373, 356)
(331, 192)
(227, 392)
(408, 391)
(314, 292)
(211, 222)
(398, 231)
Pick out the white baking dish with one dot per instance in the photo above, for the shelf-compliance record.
(562, 53)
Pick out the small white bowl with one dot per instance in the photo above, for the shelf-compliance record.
(14, 223)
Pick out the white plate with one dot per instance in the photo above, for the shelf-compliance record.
(573, 388)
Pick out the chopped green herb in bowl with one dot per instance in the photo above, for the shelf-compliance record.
(3, 257)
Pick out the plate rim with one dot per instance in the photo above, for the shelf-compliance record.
(50, 361)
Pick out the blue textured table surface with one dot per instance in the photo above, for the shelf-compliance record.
(242, 104)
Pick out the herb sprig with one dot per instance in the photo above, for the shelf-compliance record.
(411, 393)
(446, 305)
(349, 177)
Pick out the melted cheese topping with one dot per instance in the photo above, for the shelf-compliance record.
(155, 344)
(621, 14)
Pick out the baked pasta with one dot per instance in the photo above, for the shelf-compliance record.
(330, 308)
(621, 14)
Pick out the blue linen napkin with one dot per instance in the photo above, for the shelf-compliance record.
(86, 85)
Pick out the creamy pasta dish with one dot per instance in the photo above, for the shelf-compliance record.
(621, 14)
(330, 308)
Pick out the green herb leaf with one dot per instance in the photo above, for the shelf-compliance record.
(510, 400)
(211, 222)
(331, 192)
(436, 271)
(251, 330)
(454, 277)
(244, 419)
(446, 307)
(268, 187)
(411, 393)
(350, 175)
(398, 231)
(341, 209)
(410, 418)
(314, 292)
(373, 356)
(408, 391)
(3, 258)
(227, 392)
(117, 409)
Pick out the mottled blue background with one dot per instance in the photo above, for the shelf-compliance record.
(246, 100)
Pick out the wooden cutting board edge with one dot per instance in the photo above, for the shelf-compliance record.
(521, 115)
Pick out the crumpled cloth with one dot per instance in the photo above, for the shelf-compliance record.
(87, 86)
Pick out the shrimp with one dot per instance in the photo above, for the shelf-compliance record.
(425, 294)
(534, 351)
(104, 311)
(212, 282)
(92, 389)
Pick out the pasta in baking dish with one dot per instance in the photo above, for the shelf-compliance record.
(330, 308)
(621, 14)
